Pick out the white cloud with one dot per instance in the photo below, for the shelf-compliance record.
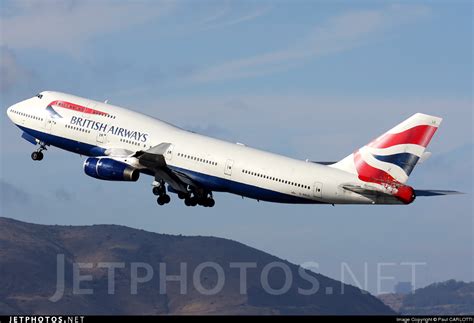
(218, 14)
(229, 21)
(65, 26)
(338, 34)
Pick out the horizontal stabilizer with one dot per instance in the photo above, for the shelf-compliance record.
(364, 190)
(435, 192)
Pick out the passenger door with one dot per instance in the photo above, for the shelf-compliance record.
(318, 189)
(169, 152)
(228, 167)
(48, 123)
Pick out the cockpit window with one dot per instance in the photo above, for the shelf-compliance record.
(39, 95)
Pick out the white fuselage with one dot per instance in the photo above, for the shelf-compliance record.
(215, 164)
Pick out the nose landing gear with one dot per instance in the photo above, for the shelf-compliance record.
(38, 154)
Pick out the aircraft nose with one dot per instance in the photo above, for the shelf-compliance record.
(9, 112)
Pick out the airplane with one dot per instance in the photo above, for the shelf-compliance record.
(121, 144)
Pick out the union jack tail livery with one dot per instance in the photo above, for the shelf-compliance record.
(391, 157)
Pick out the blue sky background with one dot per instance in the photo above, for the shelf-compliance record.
(308, 79)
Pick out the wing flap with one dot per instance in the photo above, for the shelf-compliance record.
(154, 159)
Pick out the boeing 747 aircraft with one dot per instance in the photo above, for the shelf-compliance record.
(121, 144)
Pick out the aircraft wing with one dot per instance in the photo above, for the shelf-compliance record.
(154, 159)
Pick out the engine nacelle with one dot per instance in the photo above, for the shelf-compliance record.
(110, 170)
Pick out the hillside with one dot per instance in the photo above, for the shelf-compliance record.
(28, 254)
(449, 298)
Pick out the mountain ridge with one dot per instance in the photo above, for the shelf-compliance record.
(29, 264)
(450, 297)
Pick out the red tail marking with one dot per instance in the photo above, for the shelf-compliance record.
(419, 135)
(368, 173)
(371, 174)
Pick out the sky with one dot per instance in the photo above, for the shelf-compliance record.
(307, 79)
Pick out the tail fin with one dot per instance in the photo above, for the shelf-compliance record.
(392, 156)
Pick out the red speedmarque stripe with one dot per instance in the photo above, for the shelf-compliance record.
(419, 135)
(77, 107)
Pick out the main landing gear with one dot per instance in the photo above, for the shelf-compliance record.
(194, 199)
(159, 190)
(38, 154)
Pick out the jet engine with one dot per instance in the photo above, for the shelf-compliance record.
(110, 170)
